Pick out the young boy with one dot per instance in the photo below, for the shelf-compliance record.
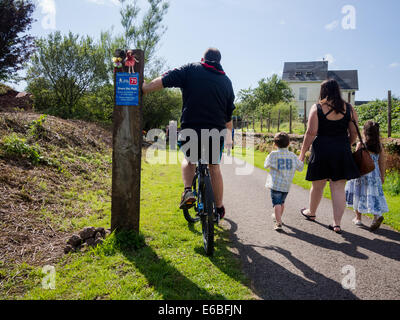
(283, 165)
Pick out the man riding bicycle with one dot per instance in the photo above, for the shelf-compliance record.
(208, 104)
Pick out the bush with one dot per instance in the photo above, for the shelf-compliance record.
(392, 183)
(377, 110)
(392, 146)
(36, 128)
(13, 145)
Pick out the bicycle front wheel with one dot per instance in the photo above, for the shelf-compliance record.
(207, 219)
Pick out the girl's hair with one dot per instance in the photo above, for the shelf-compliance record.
(331, 95)
(372, 136)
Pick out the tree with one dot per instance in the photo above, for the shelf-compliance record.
(15, 47)
(160, 107)
(147, 34)
(260, 101)
(273, 90)
(71, 66)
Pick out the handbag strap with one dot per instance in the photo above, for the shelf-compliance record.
(356, 125)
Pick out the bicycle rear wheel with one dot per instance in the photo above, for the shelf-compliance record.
(207, 219)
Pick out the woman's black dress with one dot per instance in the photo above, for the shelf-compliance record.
(331, 155)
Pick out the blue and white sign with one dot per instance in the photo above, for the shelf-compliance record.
(127, 89)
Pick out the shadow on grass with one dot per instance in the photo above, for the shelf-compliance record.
(272, 281)
(160, 274)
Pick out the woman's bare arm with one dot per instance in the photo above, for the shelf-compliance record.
(352, 128)
(311, 133)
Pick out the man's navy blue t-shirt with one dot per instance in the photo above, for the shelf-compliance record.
(208, 97)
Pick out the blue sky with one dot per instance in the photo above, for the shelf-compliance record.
(256, 37)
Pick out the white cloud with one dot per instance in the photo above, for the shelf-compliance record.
(49, 11)
(333, 25)
(394, 65)
(48, 6)
(328, 57)
(282, 22)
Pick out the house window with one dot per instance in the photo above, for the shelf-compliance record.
(303, 94)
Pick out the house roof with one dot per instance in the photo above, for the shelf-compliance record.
(318, 71)
(347, 79)
(305, 71)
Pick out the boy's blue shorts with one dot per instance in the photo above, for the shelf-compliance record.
(278, 197)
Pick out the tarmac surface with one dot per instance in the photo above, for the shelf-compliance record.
(306, 261)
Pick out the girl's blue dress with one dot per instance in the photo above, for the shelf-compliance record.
(365, 194)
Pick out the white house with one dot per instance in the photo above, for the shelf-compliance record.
(305, 80)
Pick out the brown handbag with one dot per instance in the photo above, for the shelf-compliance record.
(361, 157)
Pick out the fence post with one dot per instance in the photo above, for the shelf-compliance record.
(261, 125)
(389, 114)
(290, 120)
(305, 116)
(279, 119)
(253, 125)
(127, 147)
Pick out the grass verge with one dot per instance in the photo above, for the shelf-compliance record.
(166, 261)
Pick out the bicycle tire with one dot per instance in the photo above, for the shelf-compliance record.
(191, 215)
(207, 219)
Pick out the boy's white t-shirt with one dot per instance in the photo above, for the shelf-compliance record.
(283, 164)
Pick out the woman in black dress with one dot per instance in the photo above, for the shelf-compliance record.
(331, 133)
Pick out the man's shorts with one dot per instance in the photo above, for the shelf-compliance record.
(204, 146)
(278, 197)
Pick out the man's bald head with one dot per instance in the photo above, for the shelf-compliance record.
(212, 55)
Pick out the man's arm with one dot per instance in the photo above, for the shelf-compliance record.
(155, 85)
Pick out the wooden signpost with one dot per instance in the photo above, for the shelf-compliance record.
(127, 146)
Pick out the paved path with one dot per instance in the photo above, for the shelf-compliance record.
(306, 260)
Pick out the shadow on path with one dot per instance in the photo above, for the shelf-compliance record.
(387, 249)
(273, 281)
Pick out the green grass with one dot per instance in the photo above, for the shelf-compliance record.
(392, 218)
(166, 261)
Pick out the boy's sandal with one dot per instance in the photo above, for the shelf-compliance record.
(336, 227)
(308, 217)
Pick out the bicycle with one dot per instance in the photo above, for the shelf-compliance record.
(204, 209)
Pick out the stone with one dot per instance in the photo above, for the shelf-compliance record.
(98, 235)
(68, 249)
(102, 231)
(75, 241)
(87, 233)
(98, 241)
(90, 242)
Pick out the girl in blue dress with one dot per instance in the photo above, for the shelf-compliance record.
(365, 194)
